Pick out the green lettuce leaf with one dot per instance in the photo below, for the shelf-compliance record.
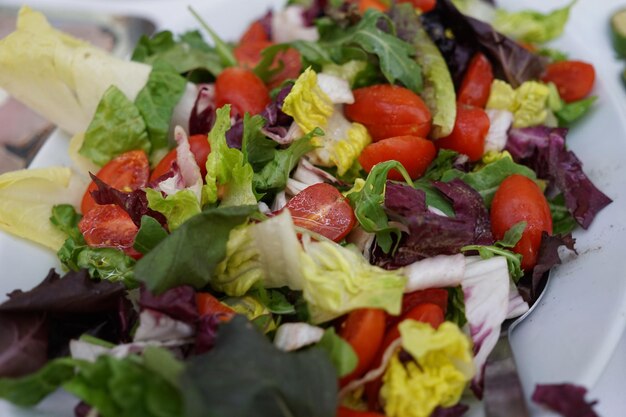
(190, 254)
(150, 234)
(177, 208)
(562, 220)
(227, 169)
(265, 383)
(117, 127)
(571, 112)
(257, 149)
(531, 26)
(340, 352)
(157, 100)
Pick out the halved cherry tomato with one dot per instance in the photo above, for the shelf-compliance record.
(324, 210)
(437, 296)
(249, 55)
(371, 4)
(255, 32)
(477, 81)
(388, 111)
(209, 305)
(424, 5)
(126, 172)
(108, 226)
(469, 133)
(415, 154)
(200, 148)
(364, 330)
(519, 199)
(573, 79)
(349, 412)
(242, 89)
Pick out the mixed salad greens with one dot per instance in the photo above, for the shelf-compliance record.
(332, 216)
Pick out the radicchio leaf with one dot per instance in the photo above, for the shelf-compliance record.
(566, 399)
(203, 112)
(543, 149)
(135, 203)
(206, 332)
(179, 303)
(454, 411)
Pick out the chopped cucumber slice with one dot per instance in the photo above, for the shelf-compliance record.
(618, 31)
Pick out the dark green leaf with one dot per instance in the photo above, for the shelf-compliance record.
(434, 198)
(150, 234)
(512, 236)
(245, 375)
(107, 263)
(258, 150)
(368, 203)
(339, 351)
(117, 127)
(157, 99)
(562, 220)
(274, 300)
(442, 163)
(456, 306)
(189, 255)
(571, 112)
(31, 389)
(487, 179)
(66, 219)
(312, 53)
(266, 68)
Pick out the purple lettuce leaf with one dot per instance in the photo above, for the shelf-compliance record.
(565, 399)
(454, 411)
(203, 113)
(404, 200)
(23, 344)
(135, 203)
(206, 332)
(179, 303)
(543, 150)
(82, 409)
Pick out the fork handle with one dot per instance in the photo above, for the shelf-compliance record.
(504, 396)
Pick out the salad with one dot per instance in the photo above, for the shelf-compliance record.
(332, 216)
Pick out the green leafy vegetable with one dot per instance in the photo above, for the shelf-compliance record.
(531, 26)
(340, 352)
(157, 100)
(562, 220)
(273, 299)
(258, 150)
(177, 208)
(223, 50)
(571, 112)
(264, 382)
(501, 248)
(65, 218)
(554, 54)
(150, 234)
(368, 203)
(189, 255)
(456, 306)
(434, 198)
(488, 178)
(117, 127)
(442, 163)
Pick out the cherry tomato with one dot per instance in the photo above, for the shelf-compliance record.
(349, 412)
(573, 79)
(324, 210)
(469, 133)
(388, 111)
(519, 199)
(255, 32)
(108, 226)
(371, 4)
(248, 54)
(209, 305)
(200, 148)
(424, 5)
(477, 81)
(437, 296)
(415, 154)
(242, 89)
(364, 330)
(126, 172)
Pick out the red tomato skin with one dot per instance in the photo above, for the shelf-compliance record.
(200, 148)
(389, 110)
(414, 153)
(208, 305)
(476, 84)
(437, 296)
(519, 199)
(573, 79)
(108, 226)
(348, 412)
(324, 210)
(242, 89)
(364, 5)
(364, 329)
(424, 5)
(469, 133)
(126, 172)
(248, 54)
(255, 32)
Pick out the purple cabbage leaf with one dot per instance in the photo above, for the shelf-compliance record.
(565, 399)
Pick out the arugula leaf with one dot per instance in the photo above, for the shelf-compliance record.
(487, 179)
(264, 382)
(368, 203)
(443, 162)
(187, 54)
(499, 248)
(434, 198)
(340, 352)
(189, 255)
(571, 112)
(395, 55)
(157, 99)
(117, 127)
(150, 234)
(275, 174)
(456, 306)
(562, 220)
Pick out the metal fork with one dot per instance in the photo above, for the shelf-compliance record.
(506, 396)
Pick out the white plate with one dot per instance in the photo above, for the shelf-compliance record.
(572, 334)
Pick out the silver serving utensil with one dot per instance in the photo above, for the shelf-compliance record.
(506, 396)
